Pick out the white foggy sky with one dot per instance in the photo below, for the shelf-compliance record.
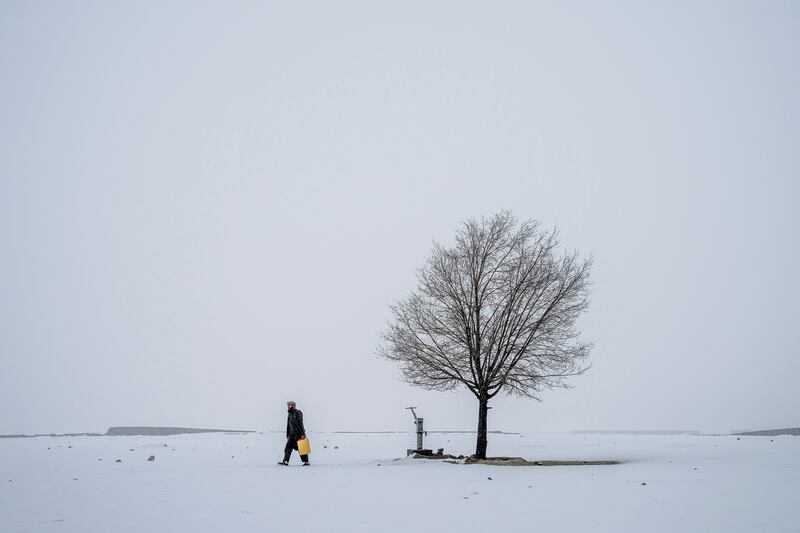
(207, 209)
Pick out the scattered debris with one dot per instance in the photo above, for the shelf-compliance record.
(419, 451)
(428, 454)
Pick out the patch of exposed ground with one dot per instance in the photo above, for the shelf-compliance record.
(510, 461)
(519, 461)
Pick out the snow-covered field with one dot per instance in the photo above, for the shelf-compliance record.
(231, 483)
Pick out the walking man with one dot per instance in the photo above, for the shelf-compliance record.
(294, 431)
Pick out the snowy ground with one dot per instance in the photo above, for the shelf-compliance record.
(231, 483)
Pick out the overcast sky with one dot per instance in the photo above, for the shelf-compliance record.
(207, 210)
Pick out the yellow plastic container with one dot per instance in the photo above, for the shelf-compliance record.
(304, 446)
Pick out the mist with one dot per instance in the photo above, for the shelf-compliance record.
(207, 211)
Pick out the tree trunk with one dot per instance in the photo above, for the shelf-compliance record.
(483, 412)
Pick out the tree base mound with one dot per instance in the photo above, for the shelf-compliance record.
(519, 461)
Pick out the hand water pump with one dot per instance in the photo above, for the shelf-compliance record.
(418, 424)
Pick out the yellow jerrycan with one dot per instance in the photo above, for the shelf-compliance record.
(304, 446)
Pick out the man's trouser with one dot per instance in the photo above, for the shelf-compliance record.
(291, 444)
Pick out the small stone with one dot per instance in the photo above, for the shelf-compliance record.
(74, 479)
(738, 438)
(644, 483)
(151, 458)
(70, 446)
(118, 460)
(232, 457)
(530, 486)
(378, 464)
(130, 450)
(335, 447)
(489, 478)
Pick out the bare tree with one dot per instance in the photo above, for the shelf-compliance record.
(494, 312)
